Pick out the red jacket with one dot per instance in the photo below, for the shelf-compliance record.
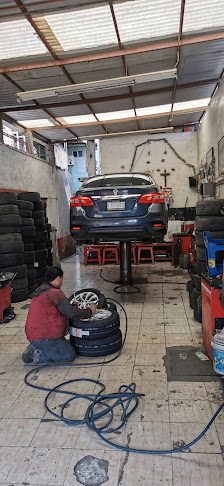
(45, 320)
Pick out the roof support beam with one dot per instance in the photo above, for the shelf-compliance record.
(111, 54)
(103, 99)
(122, 120)
(123, 57)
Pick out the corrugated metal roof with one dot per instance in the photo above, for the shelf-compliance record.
(85, 131)
(120, 127)
(161, 122)
(56, 134)
(78, 119)
(140, 20)
(28, 115)
(66, 111)
(203, 15)
(83, 29)
(194, 93)
(154, 99)
(18, 39)
(42, 8)
(186, 118)
(115, 105)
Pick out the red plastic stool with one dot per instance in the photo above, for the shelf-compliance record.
(145, 247)
(112, 250)
(92, 249)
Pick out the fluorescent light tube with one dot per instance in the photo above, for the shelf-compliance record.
(96, 85)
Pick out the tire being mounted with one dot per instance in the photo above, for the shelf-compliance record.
(97, 347)
(102, 304)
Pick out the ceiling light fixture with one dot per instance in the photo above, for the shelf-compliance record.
(96, 85)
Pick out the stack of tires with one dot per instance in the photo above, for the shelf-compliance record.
(28, 233)
(40, 238)
(195, 300)
(26, 205)
(48, 241)
(210, 217)
(12, 247)
(99, 335)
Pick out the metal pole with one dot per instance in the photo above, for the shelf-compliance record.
(125, 263)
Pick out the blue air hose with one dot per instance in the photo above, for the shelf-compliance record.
(126, 398)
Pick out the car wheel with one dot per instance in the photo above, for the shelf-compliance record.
(89, 296)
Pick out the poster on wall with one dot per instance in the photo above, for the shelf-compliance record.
(61, 157)
(221, 156)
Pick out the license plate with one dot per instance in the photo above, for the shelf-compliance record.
(113, 205)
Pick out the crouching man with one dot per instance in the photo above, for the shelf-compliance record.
(48, 321)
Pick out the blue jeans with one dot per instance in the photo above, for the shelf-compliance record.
(54, 350)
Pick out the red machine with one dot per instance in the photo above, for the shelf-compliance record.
(212, 310)
(6, 311)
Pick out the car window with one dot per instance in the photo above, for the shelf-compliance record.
(120, 180)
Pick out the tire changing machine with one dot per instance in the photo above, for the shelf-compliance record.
(126, 282)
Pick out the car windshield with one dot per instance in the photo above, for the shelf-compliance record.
(119, 180)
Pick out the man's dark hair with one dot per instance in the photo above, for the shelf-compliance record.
(52, 273)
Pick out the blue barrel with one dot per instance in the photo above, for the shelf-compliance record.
(218, 352)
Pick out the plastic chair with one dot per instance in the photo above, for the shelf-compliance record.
(211, 249)
(143, 248)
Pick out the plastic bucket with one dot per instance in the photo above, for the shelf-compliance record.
(218, 352)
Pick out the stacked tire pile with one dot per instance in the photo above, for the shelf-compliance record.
(36, 254)
(28, 231)
(210, 217)
(99, 335)
(195, 300)
(12, 247)
(48, 241)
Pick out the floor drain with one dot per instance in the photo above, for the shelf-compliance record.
(91, 471)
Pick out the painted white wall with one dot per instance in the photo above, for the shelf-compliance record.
(211, 131)
(20, 171)
(119, 151)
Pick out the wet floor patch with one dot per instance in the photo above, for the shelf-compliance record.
(182, 364)
(91, 471)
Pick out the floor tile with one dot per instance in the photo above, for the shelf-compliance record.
(197, 469)
(42, 466)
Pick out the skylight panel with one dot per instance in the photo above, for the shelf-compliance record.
(144, 20)
(153, 110)
(185, 105)
(18, 39)
(203, 15)
(115, 115)
(83, 29)
(42, 122)
(77, 119)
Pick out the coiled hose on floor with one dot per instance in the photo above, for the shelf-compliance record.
(126, 399)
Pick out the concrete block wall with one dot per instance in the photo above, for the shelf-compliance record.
(22, 172)
(117, 155)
